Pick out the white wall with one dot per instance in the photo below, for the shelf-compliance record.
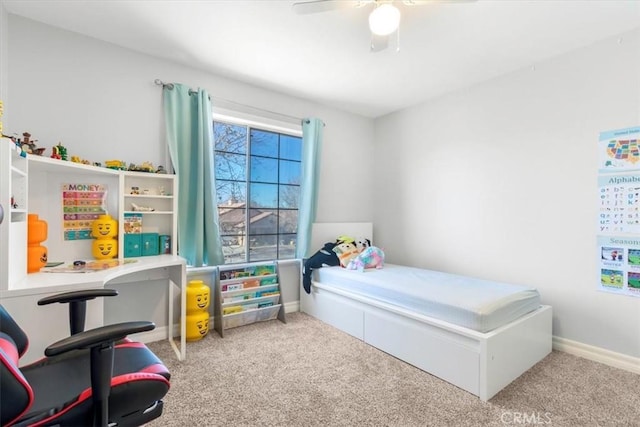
(101, 102)
(499, 181)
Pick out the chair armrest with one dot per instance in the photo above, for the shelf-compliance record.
(77, 301)
(83, 295)
(99, 336)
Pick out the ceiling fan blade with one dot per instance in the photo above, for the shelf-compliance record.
(379, 43)
(317, 6)
(421, 2)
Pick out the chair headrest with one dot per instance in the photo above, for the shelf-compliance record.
(11, 328)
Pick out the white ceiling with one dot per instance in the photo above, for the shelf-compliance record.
(325, 57)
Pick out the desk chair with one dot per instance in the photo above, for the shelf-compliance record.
(92, 378)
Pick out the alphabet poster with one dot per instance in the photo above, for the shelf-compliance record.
(619, 212)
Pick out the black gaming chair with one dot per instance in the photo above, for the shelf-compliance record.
(92, 378)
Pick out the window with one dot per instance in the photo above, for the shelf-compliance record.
(258, 189)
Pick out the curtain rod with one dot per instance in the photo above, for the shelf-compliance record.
(298, 119)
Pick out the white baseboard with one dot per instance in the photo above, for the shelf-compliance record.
(597, 354)
(161, 332)
(292, 307)
(158, 334)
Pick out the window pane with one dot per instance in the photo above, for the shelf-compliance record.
(231, 192)
(232, 220)
(263, 195)
(289, 196)
(233, 232)
(290, 147)
(235, 253)
(263, 221)
(231, 166)
(288, 221)
(289, 172)
(264, 169)
(262, 248)
(264, 143)
(287, 246)
(231, 138)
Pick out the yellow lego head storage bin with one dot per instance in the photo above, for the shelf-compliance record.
(104, 227)
(198, 295)
(104, 248)
(197, 325)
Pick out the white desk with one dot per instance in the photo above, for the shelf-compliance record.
(44, 326)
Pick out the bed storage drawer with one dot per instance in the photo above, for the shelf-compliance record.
(336, 311)
(451, 357)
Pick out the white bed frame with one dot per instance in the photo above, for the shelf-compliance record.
(480, 363)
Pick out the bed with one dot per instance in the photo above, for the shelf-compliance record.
(475, 334)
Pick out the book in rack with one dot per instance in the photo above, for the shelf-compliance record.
(247, 293)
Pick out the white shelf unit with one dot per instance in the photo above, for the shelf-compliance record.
(247, 293)
(35, 184)
(154, 191)
(14, 198)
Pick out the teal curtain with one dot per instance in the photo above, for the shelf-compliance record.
(189, 129)
(311, 150)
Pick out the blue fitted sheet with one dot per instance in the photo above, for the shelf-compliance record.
(477, 304)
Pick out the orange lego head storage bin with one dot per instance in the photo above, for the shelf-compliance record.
(36, 234)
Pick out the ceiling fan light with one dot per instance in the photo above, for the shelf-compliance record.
(384, 19)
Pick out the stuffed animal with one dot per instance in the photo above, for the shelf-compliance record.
(345, 252)
(362, 243)
(370, 257)
(325, 256)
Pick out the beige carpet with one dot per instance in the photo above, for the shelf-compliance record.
(306, 373)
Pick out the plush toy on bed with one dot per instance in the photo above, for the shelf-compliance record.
(325, 256)
(362, 243)
(370, 257)
(346, 251)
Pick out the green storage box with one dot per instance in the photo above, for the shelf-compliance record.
(149, 244)
(132, 245)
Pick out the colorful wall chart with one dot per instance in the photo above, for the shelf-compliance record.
(619, 150)
(618, 237)
(619, 268)
(81, 204)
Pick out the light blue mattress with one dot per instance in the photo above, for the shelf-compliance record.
(481, 305)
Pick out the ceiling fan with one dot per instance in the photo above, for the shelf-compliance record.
(384, 19)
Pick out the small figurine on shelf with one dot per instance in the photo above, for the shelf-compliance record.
(59, 152)
(29, 145)
(138, 208)
(115, 164)
(161, 169)
(144, 167)
(135, 190)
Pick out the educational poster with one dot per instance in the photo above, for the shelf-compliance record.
(619, 150)
(619, 204)
(81, 204)
(619, 265)
(619, 211)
